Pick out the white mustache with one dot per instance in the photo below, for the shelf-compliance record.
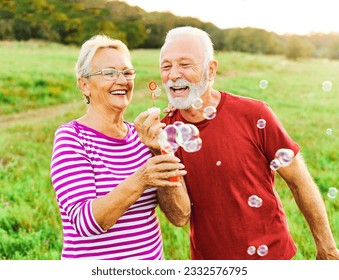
(178, 83)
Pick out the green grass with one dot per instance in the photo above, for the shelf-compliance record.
(39, 75)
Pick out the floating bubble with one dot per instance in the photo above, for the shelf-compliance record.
(157, 91)
(218, 163)
(285, 156)
(327, 86)
(275, 164)
(164, 144)
(261, 123)
(329, 131)
(194, 130)
(193, 145)
(332, 193)
(172, 135)
(262, 250)
(178, 124)
(263, 84)
(184, 132)
(210, 112)
(162, 137)
(197, 103)
(254, 201)
(251, 250)
(180, 134)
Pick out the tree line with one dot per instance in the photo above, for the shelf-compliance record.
(72, 22)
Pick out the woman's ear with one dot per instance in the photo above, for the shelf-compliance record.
(84, 86)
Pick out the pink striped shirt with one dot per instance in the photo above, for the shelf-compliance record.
(87, 164)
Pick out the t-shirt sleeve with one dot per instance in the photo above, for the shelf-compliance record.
(274, 136)
(73, 181)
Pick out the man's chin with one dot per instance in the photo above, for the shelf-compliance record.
(180, 105)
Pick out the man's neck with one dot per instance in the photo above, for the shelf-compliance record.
(192, 115)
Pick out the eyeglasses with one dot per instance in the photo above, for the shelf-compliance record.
(111, 74)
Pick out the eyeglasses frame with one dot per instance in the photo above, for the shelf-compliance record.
(100, 72)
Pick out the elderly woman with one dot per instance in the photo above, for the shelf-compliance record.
(106, 181)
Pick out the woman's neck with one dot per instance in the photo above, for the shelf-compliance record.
(109, 124)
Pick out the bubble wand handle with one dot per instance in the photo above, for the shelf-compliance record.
(166, 149)
(171, 179)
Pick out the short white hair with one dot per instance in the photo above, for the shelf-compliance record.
(90, 47)
(199, 33)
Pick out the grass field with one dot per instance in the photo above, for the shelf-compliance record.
(38, 93)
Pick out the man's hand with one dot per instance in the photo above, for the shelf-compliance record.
(170, 110)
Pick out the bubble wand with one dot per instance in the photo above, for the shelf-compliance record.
(155, 91)
(165, 147)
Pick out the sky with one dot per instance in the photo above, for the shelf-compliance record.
(280, 16)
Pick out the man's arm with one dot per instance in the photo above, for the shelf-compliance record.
(310, 202)
(175, 203)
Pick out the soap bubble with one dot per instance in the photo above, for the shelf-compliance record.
(210, 112)
(285, 156)
(254, 201)
(326, 86)
(197, 103)
(262, 250)
(172, 135)
(261, 123)
(329, 131)
(157, 91)
(332, 193)
(263, 84)
(275, 164)
(251, 250)
(184, 132)
(193, 145)
(180, 134)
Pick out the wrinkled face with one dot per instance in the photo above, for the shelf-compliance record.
(183, 71)
(110, 94)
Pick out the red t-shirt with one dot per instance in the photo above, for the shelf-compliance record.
(232, 165)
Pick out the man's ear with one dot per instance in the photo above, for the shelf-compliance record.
(213, 66)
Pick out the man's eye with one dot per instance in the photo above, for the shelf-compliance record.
(185, 64)
(165, 67)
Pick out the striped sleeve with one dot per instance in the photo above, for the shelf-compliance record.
(73, 181)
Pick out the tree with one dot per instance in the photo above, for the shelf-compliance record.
(333, 48)
(298, 47)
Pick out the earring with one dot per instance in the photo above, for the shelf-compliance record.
(87, 99)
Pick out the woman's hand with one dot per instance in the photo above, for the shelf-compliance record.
(148, 127)
(157, 171)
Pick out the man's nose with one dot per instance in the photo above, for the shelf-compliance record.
(175, 73)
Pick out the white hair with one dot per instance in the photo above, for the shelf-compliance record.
(201, 34)
(90, 47)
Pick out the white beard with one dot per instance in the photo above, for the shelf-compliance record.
(196, 90)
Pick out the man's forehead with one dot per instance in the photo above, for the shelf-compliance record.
(181, 48)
